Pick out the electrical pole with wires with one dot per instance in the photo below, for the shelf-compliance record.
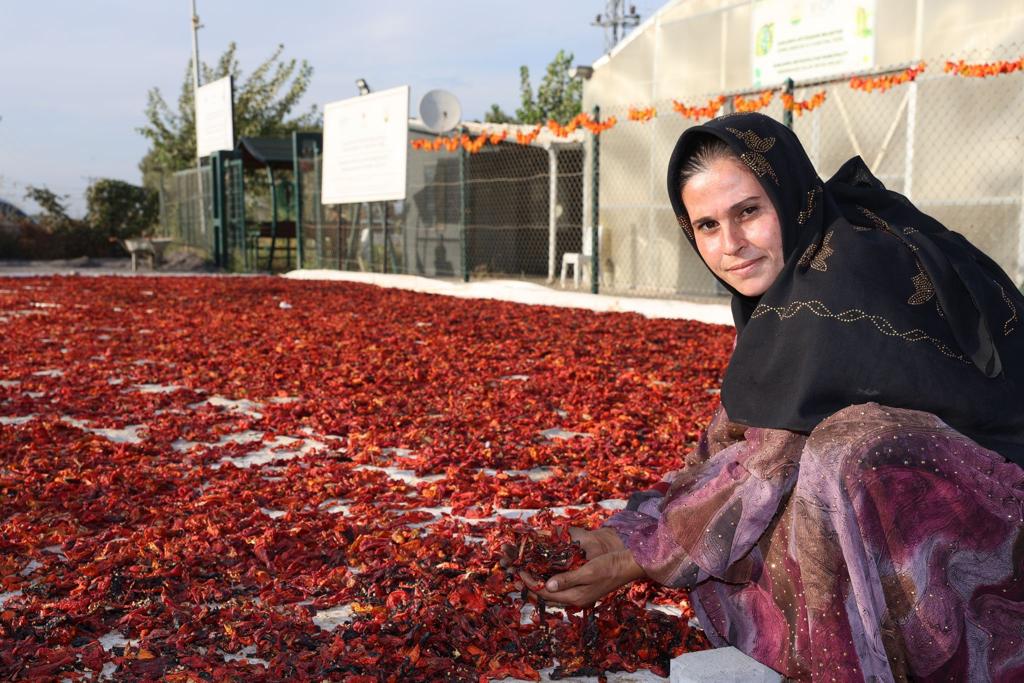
(614, 21)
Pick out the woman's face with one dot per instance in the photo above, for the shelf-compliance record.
(735, 226)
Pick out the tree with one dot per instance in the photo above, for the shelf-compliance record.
(263, 107)
(54, 206)
(119, 209)
(559, 96)
(57, 234)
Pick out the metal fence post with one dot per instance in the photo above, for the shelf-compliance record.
(552, 210)
(787, 114)
(462, 215)
(369, 236)
(297, 193)
(595, 248)
(219, 227)
(387, 237)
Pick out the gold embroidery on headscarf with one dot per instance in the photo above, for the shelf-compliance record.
(924, 290)
(806, 213)
(881, 224)
(818, 262)
(815, 256)
(878, 221)
(808, 254)
(753, 140)
(759, 165)
(1008, 326)
(881, 324)
(755, 157)
(684, 223)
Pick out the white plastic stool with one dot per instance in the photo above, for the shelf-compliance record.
(581, 260)
(571, 258)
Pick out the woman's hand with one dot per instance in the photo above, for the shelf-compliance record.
(609, 565)
(591, 582)
(597, 542)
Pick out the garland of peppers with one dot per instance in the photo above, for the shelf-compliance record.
(642, 115)
(744, 105)
(474, 145)
(983, 70)
(452, 143)
(883, 83)
(798, 107)
(710, 109)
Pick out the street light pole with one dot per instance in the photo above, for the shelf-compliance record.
(195, 114)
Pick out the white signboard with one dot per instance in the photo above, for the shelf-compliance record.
(366, 145)
(215, 128)
(804, 39)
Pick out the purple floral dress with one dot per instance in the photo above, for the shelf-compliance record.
(883, 546)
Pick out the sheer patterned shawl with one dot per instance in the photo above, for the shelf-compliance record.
(876, 302)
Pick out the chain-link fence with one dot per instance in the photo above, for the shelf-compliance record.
(180, 210)
(953, 144)
(495, 213)
(249, 215)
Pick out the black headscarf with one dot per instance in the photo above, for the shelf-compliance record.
(876, 302)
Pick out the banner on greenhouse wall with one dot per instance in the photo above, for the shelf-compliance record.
(366, 146)
(215, 126)
(803, 39)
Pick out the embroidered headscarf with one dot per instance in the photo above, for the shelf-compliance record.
(876, 302)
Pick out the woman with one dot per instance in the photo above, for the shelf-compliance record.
(849, 513)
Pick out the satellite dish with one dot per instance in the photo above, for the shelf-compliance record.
(440, 111)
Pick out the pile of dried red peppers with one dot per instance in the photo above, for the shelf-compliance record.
(159, 520)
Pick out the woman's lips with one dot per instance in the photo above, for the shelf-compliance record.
(745, 267)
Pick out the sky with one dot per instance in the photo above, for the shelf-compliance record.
(74, 75)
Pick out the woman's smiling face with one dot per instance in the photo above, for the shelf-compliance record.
(735, 226)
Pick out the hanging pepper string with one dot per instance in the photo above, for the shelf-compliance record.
(883, 83)
(708, 111)
(789, 103)
(642, 115)
(983, 70)
(743, 105)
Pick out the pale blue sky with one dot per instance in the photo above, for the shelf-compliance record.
(74, 74)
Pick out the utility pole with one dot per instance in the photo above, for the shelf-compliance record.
(614, 21)
(195, 114)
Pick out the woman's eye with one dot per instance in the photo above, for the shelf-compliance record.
(707, 227)
(750, 210)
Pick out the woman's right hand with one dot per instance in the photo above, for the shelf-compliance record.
(598, 541)
(594, 543)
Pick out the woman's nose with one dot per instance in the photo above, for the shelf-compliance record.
(733, 238)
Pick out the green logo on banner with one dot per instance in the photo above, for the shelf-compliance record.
(764, 40)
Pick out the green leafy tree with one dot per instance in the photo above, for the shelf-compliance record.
(264, 104)
(558, 96)
(54, 206)
(119, 209)
(57, 234)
